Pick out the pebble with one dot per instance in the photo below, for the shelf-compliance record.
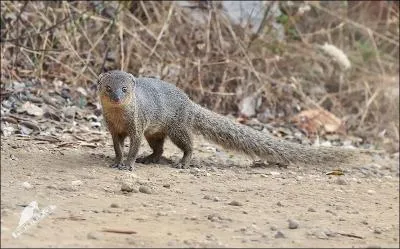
(114, 205)
(371, 192)
(213, 217)
(94, 235)
(273, 228)
(207, 197)
(321, 235)
(341, 181)
(216, 199)
(377, 231)
(27, 185)
(127, 186)
(235, 203)
(293, 224)
(167, 185)
(76, 183)
(279, 203)
(279, 235)
(145, 190)
(310, 209)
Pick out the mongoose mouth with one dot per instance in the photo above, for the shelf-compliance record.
(108, 101)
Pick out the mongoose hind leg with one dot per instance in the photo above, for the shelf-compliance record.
(183, 139)
(156, 143)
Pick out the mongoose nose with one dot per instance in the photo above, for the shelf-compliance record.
(116, 98)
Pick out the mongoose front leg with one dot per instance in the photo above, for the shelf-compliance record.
(156, 142)
(135, 141)
(183, 139)
(118, 141)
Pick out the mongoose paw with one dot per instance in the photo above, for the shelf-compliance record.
(123, 166)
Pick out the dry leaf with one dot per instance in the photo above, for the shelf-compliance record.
(314, 120)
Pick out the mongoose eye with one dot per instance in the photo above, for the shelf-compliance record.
(124, 89)
(108, 88)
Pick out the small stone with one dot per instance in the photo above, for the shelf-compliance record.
(213, 217)
(76, 183)
(279, 203)
(207, 197)
(371, 192)
(279, 235)
(364, 222)
(321, 235)
(235, 203)
(94, 235)
(310, 209)
(27, 185)
(273, 228)
(114, 205)
(167, 185)
(52, 186)
(127, 186)
(293, 224)
(377, 231)
(341, 181)
(216, 199)
(145, 190)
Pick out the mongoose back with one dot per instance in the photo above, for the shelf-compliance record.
(136, 107)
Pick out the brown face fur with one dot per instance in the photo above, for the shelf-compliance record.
(115, 90)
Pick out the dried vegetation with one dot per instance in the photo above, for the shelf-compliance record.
(342, 57)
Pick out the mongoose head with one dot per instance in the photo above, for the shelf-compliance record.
(116, 88)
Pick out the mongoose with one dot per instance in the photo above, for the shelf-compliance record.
(134, 107)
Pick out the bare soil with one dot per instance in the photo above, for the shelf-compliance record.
(219, 202)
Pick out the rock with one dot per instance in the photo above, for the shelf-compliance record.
(273, 228)
(207, 197)
(167, 185)
(279, 203)
(279, 235)
(94, 235)
(371, 192)
(27, 185)
(145, 190)
(341, 181)
(293, 224)
(235, 203)
(216, 199)
(114, 205)
(76, 183)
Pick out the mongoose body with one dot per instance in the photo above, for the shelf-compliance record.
(154, 109)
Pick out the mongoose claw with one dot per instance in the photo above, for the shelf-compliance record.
(115, 165)
(179, 165)
(123, 166)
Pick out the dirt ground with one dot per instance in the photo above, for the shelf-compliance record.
(219, 202)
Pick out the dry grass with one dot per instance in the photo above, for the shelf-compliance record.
(216, 62)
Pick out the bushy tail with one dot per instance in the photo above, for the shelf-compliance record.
(238, 137)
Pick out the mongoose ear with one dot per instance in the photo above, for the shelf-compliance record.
(99, 78)
(133, 79)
